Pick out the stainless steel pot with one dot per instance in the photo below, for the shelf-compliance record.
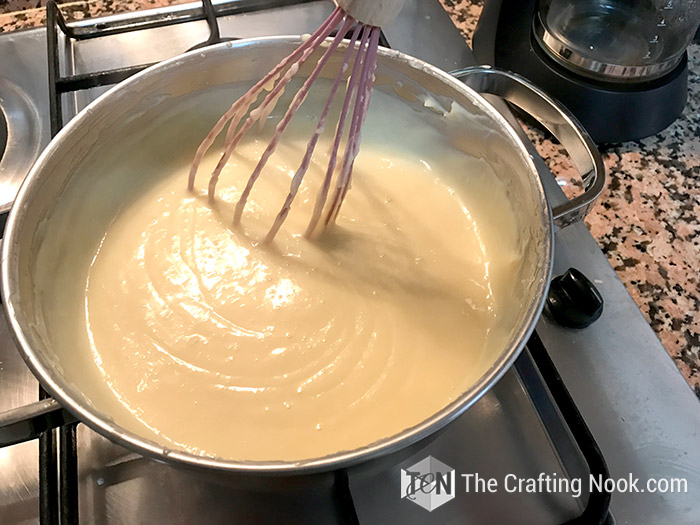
(98, 133)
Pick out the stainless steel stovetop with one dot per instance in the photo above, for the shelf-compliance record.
(641, 412)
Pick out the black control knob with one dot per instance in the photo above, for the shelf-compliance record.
(573, 300)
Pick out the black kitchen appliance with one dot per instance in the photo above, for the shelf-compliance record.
(620, 66)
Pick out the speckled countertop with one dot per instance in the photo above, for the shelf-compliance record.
(647, 222)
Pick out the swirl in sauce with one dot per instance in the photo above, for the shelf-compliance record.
(214, 344)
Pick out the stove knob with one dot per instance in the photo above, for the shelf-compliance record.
(573, 300)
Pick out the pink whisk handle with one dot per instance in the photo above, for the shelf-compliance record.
(372, 12)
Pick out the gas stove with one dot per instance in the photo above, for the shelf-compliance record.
(604, 402)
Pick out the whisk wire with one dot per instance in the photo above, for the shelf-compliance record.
(326, 184)
(320, 127)
(358, 94)
(359, 113)
(248, 98)
(282, 126)
(272, 96)
(372, 61)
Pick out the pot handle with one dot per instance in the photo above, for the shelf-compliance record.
(29, 421)
(558, 120)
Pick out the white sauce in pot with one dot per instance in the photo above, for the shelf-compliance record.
(191, 334)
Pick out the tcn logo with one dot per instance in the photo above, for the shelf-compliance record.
(429, 483)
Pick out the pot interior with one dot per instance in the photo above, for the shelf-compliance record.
(157, 119)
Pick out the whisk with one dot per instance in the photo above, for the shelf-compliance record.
(363, 20)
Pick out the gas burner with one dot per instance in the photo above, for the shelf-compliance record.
(20, 139)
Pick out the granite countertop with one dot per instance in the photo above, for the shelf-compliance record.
(647, 221)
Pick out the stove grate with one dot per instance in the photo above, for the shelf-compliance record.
(597, 509)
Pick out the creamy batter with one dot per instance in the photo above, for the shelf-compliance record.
(203, 339)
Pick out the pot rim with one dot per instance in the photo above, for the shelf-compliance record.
(104, 425)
